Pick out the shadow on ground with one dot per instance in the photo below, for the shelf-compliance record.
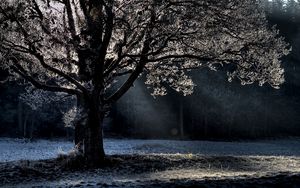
(157, 170)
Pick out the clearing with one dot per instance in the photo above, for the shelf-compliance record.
(156, 163)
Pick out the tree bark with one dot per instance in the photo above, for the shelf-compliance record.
(93, 142)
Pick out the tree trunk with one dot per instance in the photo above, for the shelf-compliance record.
(93, 140)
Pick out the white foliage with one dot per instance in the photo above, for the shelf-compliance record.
(182, 35)
(70, 117)
(36, 99)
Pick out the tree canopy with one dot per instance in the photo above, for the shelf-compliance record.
(74, 45)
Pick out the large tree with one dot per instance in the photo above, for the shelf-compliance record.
(96, 49)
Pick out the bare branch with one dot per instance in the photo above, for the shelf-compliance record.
(18, 69)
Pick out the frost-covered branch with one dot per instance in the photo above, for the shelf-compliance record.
(91, 45)
(39, 85)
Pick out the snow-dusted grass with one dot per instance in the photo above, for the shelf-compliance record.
(159, 163)
(160, 170)
(18, 149)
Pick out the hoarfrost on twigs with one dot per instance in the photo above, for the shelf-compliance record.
(63, 47)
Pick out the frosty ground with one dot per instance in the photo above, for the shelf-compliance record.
(156, 163)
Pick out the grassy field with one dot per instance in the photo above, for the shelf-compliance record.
(155, 163)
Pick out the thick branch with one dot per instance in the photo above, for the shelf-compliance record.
(179, 56)
(60, 73)
(129, 82)
(134, 75)
(39, 85)
(71, 21)
(83, 7)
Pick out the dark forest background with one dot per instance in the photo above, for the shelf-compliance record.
(217, 109)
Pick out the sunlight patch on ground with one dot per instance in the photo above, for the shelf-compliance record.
(198, 174)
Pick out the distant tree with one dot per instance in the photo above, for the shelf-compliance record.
(84, 47)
